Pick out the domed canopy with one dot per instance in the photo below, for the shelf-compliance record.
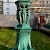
(23, 0)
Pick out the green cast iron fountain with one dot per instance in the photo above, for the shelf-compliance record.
(23, 27)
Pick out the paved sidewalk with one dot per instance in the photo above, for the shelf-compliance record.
(8, 21)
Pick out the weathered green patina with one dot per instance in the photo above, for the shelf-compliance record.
(23, 27)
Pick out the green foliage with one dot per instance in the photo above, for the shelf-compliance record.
(47, 26)
(8, 38)
(40, 41)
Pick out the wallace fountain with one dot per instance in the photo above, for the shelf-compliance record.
(23, 28)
